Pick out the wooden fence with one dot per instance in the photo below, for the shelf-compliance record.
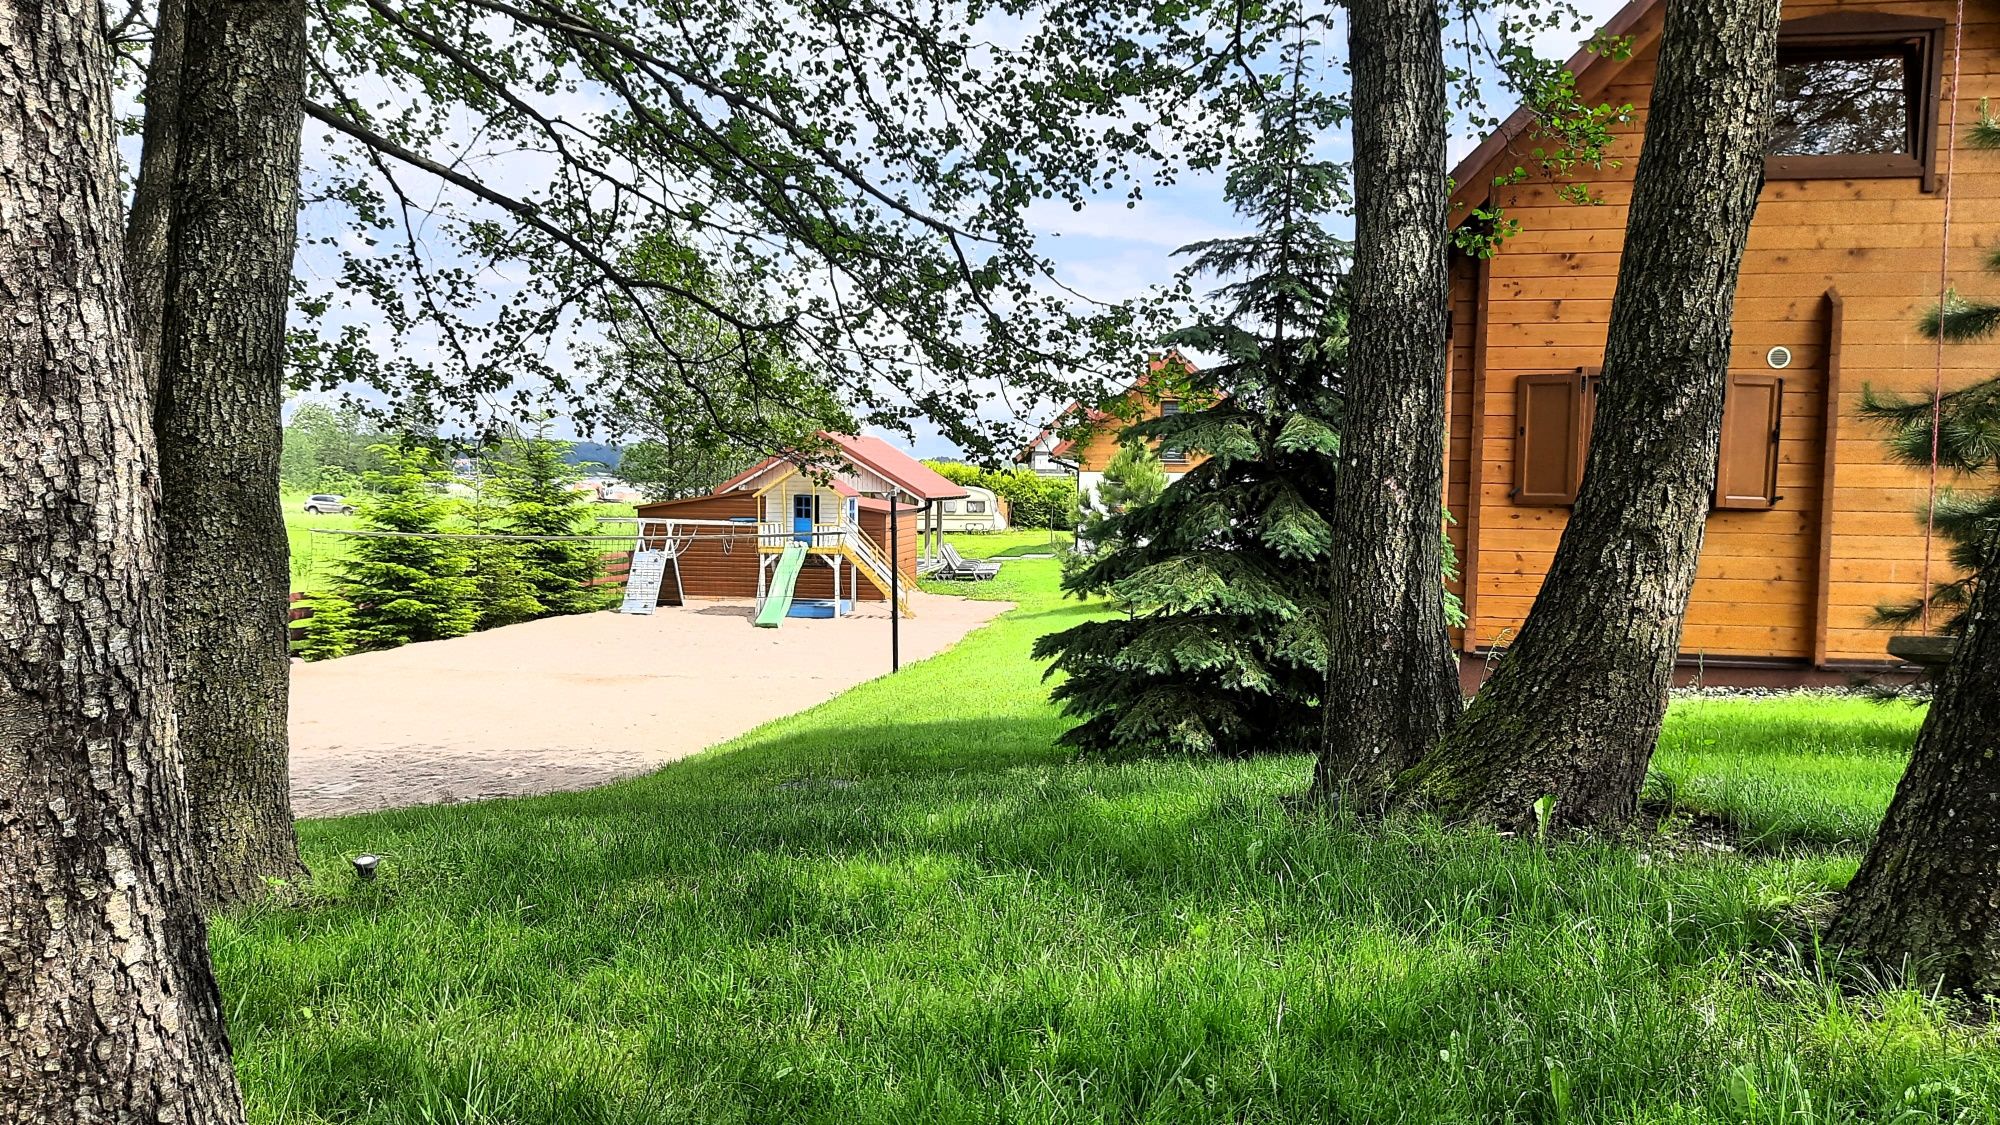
(617, 564)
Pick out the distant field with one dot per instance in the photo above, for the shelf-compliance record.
(315, 557)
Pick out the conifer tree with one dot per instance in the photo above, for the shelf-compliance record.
(407, 585)
(329, 632)
(505, 596)
(533, 486)
(1225, 649)
(1134, 478)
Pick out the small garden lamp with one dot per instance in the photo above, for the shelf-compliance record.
(365, 864)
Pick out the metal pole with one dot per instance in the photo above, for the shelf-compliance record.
(895, 583)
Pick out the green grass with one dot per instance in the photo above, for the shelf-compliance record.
(1015, 541)
(316, 558)
(903, 906)
(1803, 769)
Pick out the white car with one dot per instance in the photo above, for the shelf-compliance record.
(323, 504)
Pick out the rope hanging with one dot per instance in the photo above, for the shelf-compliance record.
(1944, 291)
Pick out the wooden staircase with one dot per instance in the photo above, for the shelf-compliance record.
(868, 561)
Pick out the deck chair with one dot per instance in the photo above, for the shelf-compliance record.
(959, 568)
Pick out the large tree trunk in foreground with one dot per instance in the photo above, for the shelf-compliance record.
(1392, 688)
(153, 193)
(1928, 894)
(108, 1011)
(220, 432)
(1575, 707)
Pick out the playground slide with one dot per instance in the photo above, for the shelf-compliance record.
(778, 599)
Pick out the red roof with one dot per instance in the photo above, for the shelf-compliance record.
(1094, 417)
(873, 454)
(896, 467)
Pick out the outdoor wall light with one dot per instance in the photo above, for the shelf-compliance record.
(365, 864)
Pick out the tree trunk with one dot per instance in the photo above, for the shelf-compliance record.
(1392, 686)
(235, 222)
(1574, 709)
(108, 1010)
(1928, 894)
(152, 194)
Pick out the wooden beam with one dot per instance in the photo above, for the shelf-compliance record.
(1475, 467)
(1829, 453)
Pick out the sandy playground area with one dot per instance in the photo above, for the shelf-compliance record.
(571, 702)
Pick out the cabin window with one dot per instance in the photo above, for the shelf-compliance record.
(975, 507)
(1168, 453)
(951, 507)
(1552, 425)
(1855, 97)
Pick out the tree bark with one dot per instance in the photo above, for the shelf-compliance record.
(152, 194)
(1574, 709)
(221, 392)
(1392, 685)
(108, 1009)
(1928, 893)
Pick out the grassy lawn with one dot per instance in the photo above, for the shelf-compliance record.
(315, 557)
(1016, 541)
(903, 906)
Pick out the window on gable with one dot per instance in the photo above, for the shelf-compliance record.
(1855, 97)
(1168, 453)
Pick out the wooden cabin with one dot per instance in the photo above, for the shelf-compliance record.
(1085, 439)
(841, 512)
(1872, 202)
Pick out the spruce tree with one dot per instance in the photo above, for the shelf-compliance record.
(1225, 647)
(406, 584)
(534, 488)
(505, 595)
(1133, 479)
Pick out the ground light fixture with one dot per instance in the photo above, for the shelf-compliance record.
(365, 864)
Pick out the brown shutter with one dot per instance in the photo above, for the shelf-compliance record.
(1548, 439)
(1752, 416)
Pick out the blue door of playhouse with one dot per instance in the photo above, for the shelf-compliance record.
(802, 518)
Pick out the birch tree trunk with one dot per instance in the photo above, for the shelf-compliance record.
(1392, 688)
(1928, 893)
(1574, 709)
(108, 1010)
(221, 391)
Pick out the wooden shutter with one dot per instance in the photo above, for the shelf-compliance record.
(1548, 439)
(1752, 421)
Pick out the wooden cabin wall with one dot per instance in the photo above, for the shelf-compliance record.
(1547, 300)
(711, 566)
(875, 524)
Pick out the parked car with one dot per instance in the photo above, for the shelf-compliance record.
(323, 504)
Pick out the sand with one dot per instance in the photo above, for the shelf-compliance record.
(571, 702)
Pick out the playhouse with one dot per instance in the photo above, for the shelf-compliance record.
(804, 542)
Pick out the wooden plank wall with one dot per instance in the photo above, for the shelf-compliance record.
(712, 566)
(1548, 299)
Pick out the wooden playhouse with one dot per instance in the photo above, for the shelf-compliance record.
(847, 519)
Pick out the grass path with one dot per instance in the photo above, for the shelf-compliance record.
(903, 906)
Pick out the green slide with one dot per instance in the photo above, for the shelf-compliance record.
(778, 600)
